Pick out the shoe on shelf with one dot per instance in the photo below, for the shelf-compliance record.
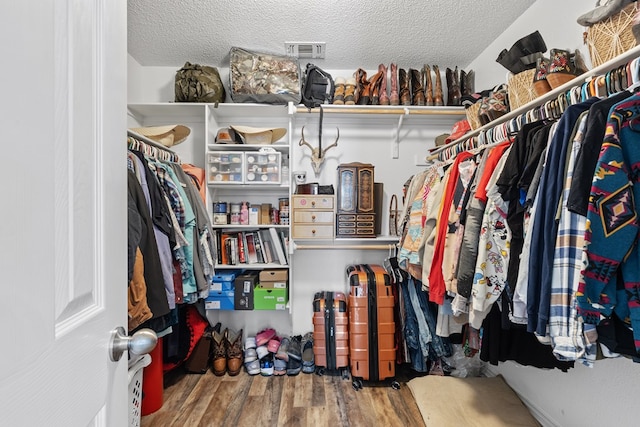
(262, 351)
(219, 353)
(250, 355)
(234, 351)
(293, 367)
(266, 366)
(295, 348)
(338, 93)
(250, 342)
(282, 350)
(274, 344)
(279, 367)
(253, 367)
(308, 362)
(264, 336)
(349, 91)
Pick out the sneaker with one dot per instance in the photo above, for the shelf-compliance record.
(250, 342)
(262, 351)
(274, 344)
(264, 336)
(253, 367)
(293, 367)
(282, 350)
(295, 351)
(266, 367)
(279, 367)
(308, 364)
(250, 355)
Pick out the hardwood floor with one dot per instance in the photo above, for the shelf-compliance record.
(302, 400)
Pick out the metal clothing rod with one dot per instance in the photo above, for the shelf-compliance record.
(577, 81)
(376, 109)
(141, 138)
(362, 247)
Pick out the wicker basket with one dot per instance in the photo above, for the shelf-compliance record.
(472, 115)
(611, 37)
(521, 89)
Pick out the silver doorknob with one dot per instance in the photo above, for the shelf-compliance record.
(142, 342)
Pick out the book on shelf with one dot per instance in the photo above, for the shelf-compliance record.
(242, 248)
(280, 250)
(267, 247)
(252, 255)
(285, 244)
(259, 251)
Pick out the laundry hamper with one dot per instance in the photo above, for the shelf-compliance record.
(611, 37)
(135, 388)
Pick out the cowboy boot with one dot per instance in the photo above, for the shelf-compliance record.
(469, 83)
(349, 91)
(403, 85)
(374, 88)
(417, 90)
(394, 98)
(384, 98)
(361, 83)
(233, 344)
(437, 95)
(338, 94)
(453, 87)
(428, 89)
(219, 353)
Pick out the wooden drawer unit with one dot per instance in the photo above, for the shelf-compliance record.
(313, 216)
(356, 207)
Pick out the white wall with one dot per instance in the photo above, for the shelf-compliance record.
(606, 394)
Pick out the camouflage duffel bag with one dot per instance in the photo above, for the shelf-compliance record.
(198, 83)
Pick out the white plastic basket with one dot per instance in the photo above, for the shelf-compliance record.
(135, 388)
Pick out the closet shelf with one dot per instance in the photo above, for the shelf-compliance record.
(377, 243)
(549, 96)
(168, 110)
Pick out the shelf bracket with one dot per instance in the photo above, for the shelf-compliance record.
(395, 148)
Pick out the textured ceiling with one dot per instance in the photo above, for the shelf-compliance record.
(358, 33)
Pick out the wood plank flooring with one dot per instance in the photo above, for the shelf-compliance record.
(302, 400)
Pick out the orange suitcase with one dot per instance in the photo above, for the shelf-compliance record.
(331, 333)
(371, 324)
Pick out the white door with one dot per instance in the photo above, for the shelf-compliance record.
(63, 211)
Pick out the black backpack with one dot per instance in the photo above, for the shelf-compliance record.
(317, 87)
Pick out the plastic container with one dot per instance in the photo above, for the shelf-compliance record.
(136, 367)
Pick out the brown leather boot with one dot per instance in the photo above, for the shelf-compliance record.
(394, 98)
(453, 87)
(349, 91)
(403, 86)
(469, 85)
(374, 88)
(384, 98)
(338, 93)
(417, 90)
(219, 353)
(233, 343)
(362, 86)
(437, 94)
(428, 85)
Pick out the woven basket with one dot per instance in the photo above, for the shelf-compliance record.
(472, 115)
(521, 89)
(611, 37)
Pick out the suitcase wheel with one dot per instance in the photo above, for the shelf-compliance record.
(345, 373)
(357, 384)
(395, 385)
(320, 371)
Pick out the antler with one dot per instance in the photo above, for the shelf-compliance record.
(317, 155)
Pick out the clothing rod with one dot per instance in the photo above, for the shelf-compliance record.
(362, 247)
(577, 81)
(147, 140)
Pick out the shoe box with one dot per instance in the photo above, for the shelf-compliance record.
(274, 278)
(224, 280)
(222, 291)
(219, 300)
(270, 298)
(244, 291)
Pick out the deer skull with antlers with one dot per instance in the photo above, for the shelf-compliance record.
(317, 153)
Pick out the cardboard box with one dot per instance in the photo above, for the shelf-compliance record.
(222, 300)
(265, 213)
(274, 279)
(244, 291)
(270, 299)
(224, 280)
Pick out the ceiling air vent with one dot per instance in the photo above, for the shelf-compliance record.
(315, 50)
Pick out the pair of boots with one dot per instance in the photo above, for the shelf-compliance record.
(523, 54)
(459, 84)
(414, 87)
(227, 352)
